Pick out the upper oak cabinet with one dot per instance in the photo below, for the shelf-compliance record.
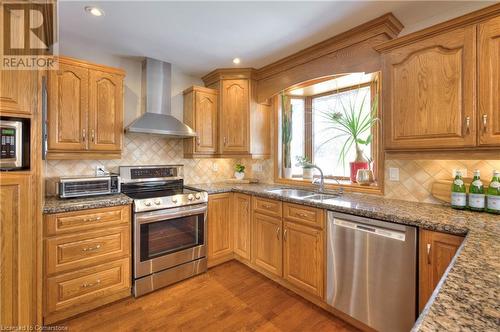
(441, 87)
(489, 85)
(85, 111)
(200, 113)
(242, 127)
(429, 92)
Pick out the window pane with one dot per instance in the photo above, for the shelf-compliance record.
(327, 139)
(297, 145)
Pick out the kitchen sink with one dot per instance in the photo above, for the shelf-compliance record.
(321, 197)
(297, 193)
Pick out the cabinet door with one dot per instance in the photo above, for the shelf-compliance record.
(68, 108)
(105, 111)
(489, 82)
(242, 225)
(436, 252)
(206, 122)
(430, 92)
(220, 240)
(17, 251)
(235, 117)
(267, 243)
(18, 91)
(304, 258)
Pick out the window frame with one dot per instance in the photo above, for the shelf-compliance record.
(377, 154)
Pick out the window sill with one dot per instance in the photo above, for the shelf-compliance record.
(348, 186)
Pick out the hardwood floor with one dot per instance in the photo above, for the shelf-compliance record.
(230, 297)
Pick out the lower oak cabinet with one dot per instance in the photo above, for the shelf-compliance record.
(242, 206)
(436, 252)
(267, 243)
(220, 225)
(86, 260)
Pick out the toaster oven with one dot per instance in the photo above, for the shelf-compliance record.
(88, 186)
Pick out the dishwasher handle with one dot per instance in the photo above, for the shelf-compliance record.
(377, 231)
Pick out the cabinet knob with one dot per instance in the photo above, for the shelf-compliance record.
(278, 233)
(485, 122)
(284, 234)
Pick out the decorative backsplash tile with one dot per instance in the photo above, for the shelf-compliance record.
(141, 149)
(417, 176)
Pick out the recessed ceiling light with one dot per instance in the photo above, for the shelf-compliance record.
(94, 11)
(236, 61)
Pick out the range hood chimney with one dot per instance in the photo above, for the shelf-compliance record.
(156, 100)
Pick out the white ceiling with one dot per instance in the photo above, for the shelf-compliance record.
(201, 36)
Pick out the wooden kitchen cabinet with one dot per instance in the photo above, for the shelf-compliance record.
(267, 243)
(304, 259)
(242, 225)
(219, 224)
(429, 91)
(436, 250)
(244, 128)
(18, 251)
(489, 82)
(86, 260)
(200, 113)
(85, 111)
(19, 89)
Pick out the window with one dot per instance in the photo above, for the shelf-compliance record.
(318, 135)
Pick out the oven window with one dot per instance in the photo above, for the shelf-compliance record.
(168, 236)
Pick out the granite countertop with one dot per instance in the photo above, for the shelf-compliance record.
(468, 297)
(56, 204)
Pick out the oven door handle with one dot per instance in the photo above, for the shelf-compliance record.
(153, 216)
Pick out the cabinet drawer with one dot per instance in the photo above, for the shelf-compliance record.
(77, 221)
(71, 252)
(303, 214)
(266, 206)
(78, 289)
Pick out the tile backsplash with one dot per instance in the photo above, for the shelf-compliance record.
(417, 176)
(143, 149)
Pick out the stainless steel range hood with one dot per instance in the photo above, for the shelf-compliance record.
(156, 100)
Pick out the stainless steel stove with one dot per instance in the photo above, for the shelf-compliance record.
(169, 226)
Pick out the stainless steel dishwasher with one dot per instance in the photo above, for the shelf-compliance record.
(371, 271)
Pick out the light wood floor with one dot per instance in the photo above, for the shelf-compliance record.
(230, 297)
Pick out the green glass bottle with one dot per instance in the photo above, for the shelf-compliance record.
(476, 193)
(458, 192)
(493, 198)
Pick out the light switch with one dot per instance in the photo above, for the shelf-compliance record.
(215, 167)
(257, 168)
(393, 174)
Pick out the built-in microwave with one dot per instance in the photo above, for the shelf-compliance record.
(14, 143)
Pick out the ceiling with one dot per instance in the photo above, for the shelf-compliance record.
(201, 36)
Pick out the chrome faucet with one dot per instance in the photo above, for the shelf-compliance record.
(321, 179)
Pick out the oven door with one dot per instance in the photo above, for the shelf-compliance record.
(169, 237)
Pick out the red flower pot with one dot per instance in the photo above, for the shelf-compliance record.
(355, 165)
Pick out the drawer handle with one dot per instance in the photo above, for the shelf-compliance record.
(278, 233)
(428, 253)
(92, 219)
(87, 285)
(97, 247)
(267, 206)
(467, 124)
(284, 234)
(301, 214)
(485, 122)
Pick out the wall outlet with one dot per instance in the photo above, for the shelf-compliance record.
(215, 167)
(462, 170)
(257, 168)
(393, 174)
(100, 171)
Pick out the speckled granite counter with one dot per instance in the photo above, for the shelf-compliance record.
(56, 204)
(468, 298)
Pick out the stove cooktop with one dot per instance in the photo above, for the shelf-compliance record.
(160, 193)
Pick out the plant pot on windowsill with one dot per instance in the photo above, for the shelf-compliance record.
(287, 172)
(307, 173)
(239, 175)
(359, 163)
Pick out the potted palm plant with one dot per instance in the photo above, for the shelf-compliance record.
(307, 167)
(286, 135)
(355, 126)
(239, 171)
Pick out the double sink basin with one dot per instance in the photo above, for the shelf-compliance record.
(304, 194)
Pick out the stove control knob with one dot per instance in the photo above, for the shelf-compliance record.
(190, 197)
(147, 203)
(174, 199)
(157, 201)
(197, 196)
